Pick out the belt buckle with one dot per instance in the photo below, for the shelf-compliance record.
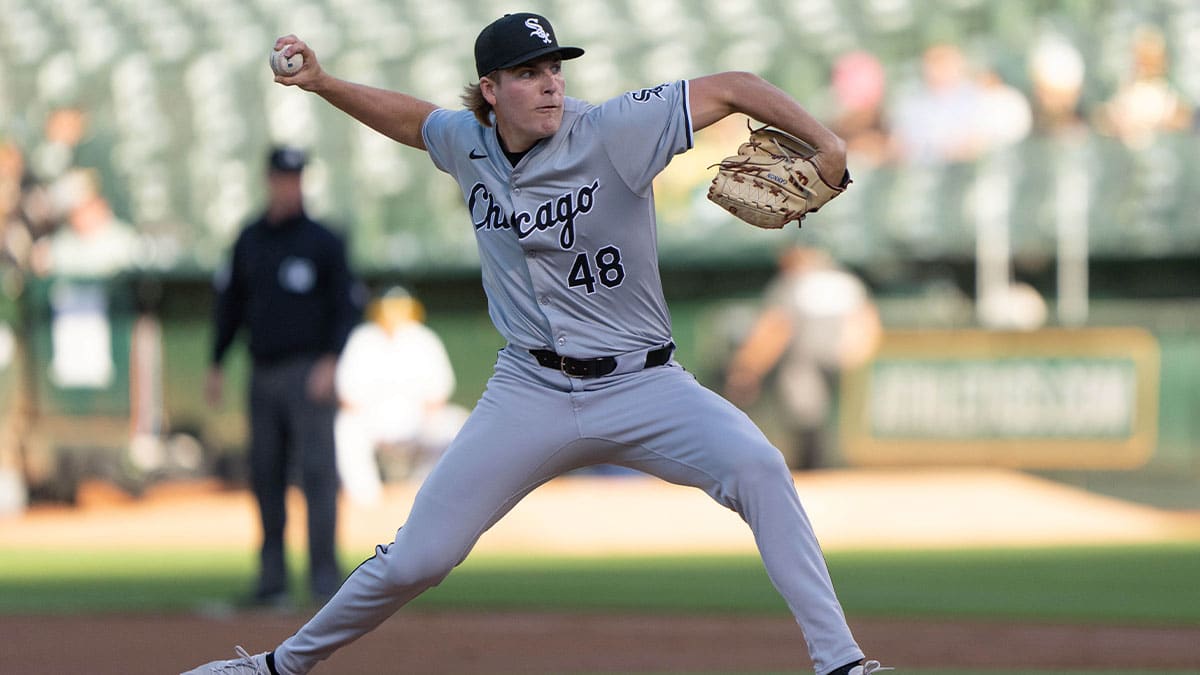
(562, 366)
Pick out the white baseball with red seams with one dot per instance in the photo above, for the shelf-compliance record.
(285, 66)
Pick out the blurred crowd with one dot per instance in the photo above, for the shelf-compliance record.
(960, 108)
(56, 212)
(61, 211)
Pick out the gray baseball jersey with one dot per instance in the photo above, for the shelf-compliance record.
(569, 261)
(567, 242)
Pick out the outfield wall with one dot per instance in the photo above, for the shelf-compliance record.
(1144, 356)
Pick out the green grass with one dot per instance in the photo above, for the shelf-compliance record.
(41, 582)
(1135, 584)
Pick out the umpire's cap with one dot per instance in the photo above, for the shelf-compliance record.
(286, 159)
(514, 39)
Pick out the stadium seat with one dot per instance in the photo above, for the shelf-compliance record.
(183, 88)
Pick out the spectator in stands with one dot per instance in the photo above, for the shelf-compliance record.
(935, 122)
(1005, 116)
(70, 140)
(1017, 306)
(93, 243)
(394, 382)
(27, 210)
(858, 83)
(1147, 103)
(35, 211)
(289, 284)
(15, 239)
(1056, 70)
(62, 130)
(818, 321)
(12, 170)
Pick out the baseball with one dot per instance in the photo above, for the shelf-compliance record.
(289, 66)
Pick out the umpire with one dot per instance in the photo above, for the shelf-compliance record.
(289, 284)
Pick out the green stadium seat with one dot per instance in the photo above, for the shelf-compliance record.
(183, 134)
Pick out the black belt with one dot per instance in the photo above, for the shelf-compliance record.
(598, 367)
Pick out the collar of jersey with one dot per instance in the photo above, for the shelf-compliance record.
(573, 109)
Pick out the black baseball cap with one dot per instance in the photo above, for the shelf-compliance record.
(287, 159)
(514, 39)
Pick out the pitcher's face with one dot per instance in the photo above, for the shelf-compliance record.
(528, 100)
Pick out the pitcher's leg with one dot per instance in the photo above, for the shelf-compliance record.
(691, 436)
(508, 447)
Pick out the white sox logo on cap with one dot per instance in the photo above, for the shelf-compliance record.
(537, 31)
(514, 39)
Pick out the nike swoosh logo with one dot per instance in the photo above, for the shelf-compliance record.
(476, 155)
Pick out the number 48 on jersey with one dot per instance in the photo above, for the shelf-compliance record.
(604, 267)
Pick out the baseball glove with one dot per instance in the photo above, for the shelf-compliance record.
(772, 180)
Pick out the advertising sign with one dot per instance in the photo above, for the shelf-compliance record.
(1077, 399)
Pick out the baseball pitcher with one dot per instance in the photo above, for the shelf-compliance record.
(558, 192)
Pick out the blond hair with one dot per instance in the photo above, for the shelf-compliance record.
(474, 101)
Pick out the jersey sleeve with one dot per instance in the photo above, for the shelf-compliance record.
(440, 130)
(644, 129)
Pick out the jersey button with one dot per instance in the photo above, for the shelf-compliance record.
(562, 341)
(545, 300)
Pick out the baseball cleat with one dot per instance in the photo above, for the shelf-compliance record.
(867, 668)
(243, 665)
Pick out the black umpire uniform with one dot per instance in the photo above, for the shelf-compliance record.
(289, 284)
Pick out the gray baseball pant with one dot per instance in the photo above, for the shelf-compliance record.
(533, 424)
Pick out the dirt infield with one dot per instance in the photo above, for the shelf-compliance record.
(851, 509)
(430, 643)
